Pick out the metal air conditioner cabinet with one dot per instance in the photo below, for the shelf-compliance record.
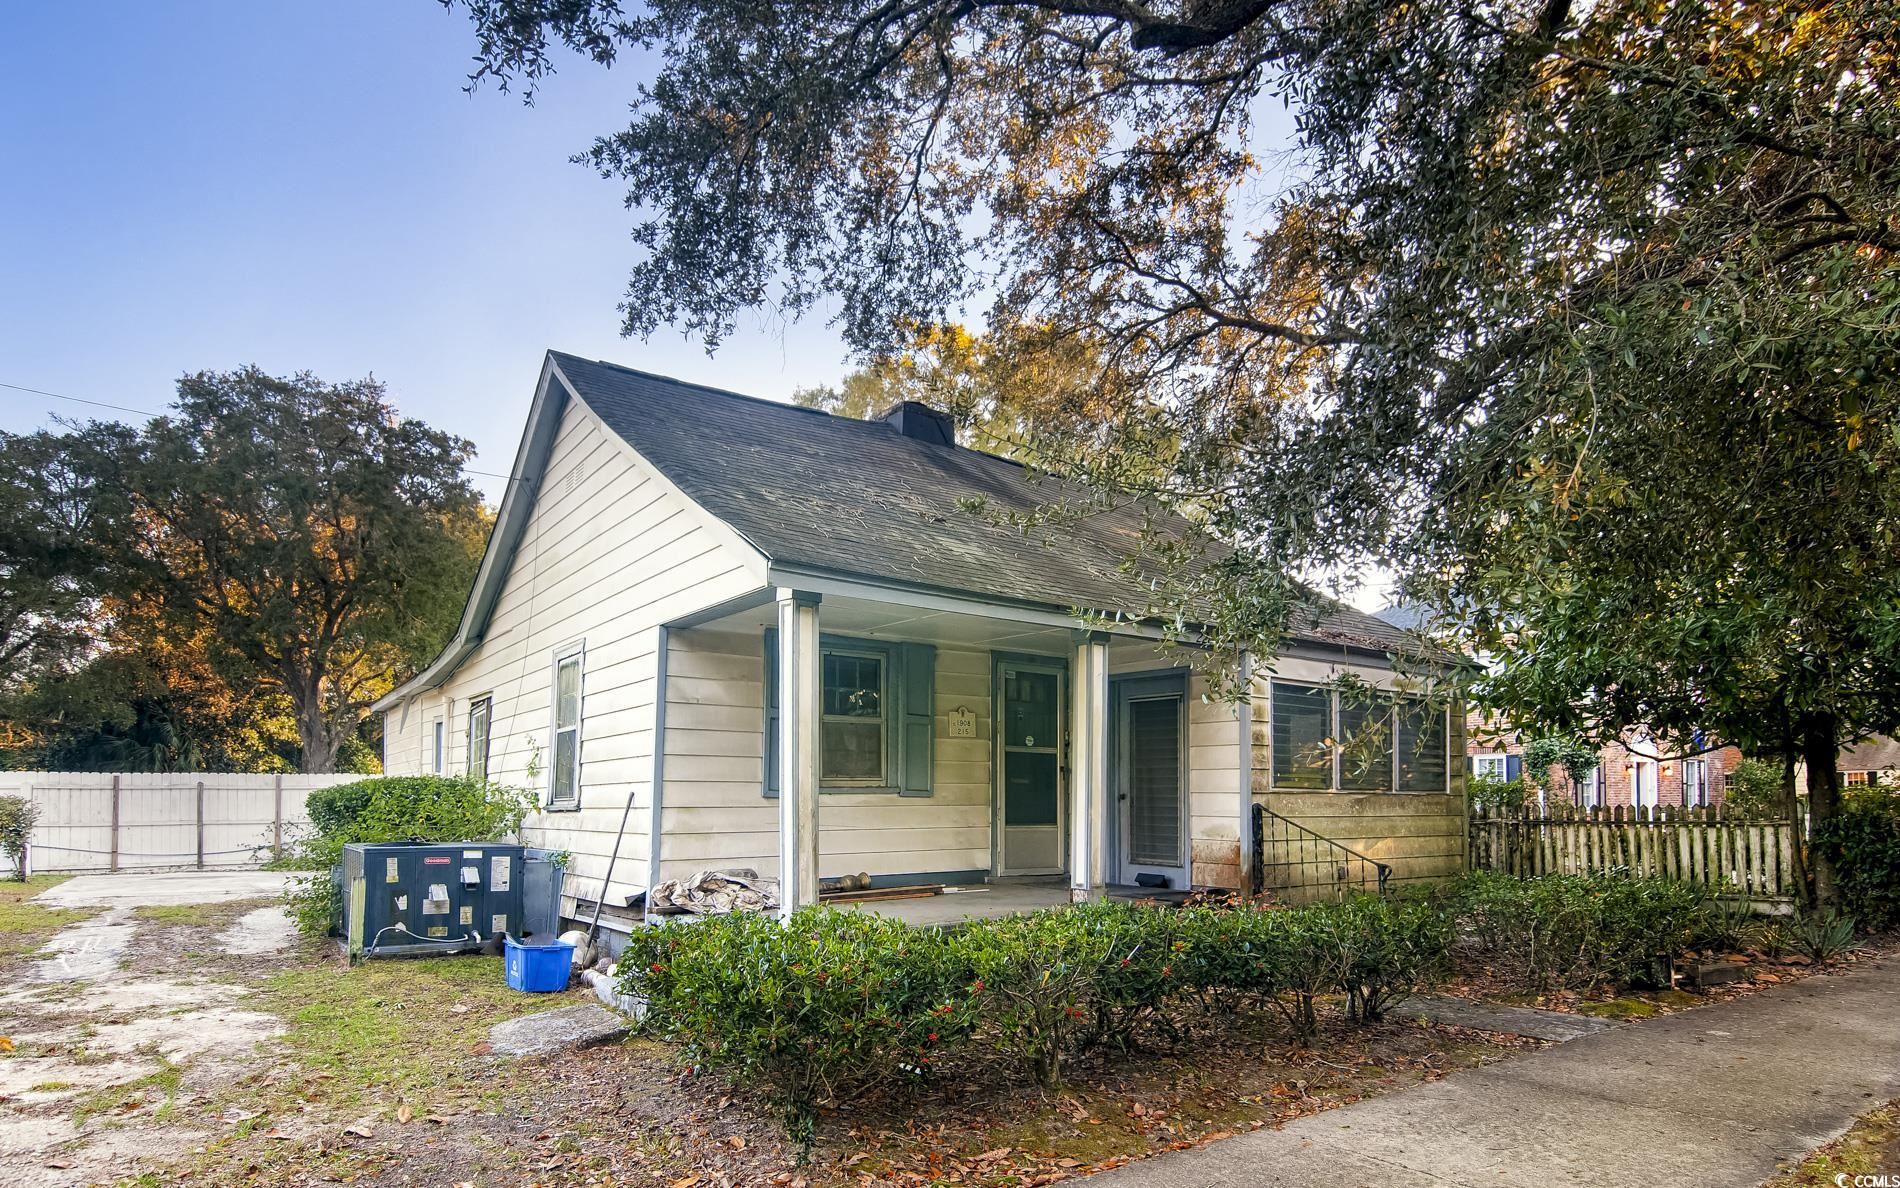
(412, 898)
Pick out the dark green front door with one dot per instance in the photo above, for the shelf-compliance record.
(1030, 720)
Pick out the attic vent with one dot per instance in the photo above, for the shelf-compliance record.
(574, 478)
(915, 419)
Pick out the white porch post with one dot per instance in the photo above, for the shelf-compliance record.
(800, 691)
(1243, 715)
(1088, 780)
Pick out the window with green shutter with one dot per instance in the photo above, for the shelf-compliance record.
(876, 715)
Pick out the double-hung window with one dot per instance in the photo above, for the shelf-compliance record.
(480, 711)
(854, 732)
(1492, 766)
(564, 768)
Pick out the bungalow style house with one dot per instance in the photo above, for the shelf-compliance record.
(712, 631)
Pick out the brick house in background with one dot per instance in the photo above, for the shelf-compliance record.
(1635, 771)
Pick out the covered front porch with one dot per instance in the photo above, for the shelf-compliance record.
(1019, 758)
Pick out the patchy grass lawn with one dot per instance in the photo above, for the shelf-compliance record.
(1871, 1146)
(25, 926)
(198, 915)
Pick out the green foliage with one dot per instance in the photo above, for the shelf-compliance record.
(1577, 758)
(428, 808)
(1817, 935)
(1728, 926)
(831, 1005)
(17, 816)
(1389, 949)
(274, 540)
(1864, 844)
(1578, 931)
(1495, 794)
(1753, 792)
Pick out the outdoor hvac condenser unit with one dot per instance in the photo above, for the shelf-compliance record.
(414, 898)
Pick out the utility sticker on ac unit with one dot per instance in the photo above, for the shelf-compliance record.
(471, 853)
(392, 872)
(497, 924)
(468, 914)
(498, 872)
(436, 860)
(439, 930)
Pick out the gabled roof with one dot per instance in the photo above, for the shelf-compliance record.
(859, 499)
(848, 498)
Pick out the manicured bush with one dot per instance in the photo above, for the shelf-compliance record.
(817, 1011)
(1388, 949)
(426, 808)
(17, 817)
(1863, 840)
(1576, 931)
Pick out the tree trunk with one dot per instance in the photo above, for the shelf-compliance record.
(317, 741)
(1820, 749)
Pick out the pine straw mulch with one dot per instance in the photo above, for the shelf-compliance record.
(627, 1114)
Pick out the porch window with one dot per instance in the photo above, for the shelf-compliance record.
(1365, 745)
(1422, 746)
(479, 712)
(1302, 737)
(853, 721)
(564, 772)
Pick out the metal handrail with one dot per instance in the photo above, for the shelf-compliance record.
(1312, 861)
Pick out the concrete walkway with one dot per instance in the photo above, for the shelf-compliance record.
(1715, 1095)
(164, 888)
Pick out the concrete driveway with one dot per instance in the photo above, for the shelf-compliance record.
(1718, 1095)
(167, 889)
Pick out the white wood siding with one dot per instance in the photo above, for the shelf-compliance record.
(610, 552)
(715, 814)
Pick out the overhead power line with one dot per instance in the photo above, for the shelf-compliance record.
(146, 412)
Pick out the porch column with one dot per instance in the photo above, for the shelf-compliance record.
(799, 694)
(1088, 778)
(1243, 716)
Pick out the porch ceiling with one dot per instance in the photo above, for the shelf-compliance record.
(867, 619)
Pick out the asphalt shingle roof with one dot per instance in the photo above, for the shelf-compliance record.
(858, 498)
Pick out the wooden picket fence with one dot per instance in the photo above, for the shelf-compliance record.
(1748, 860)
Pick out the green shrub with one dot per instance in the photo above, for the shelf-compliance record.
(1042, 978)
(426, 808)
(1494, 794)
(1727, 925)
(1816, 935)
(1863, 840)
(1388, 949)
(17, 817)
(816, 1011)
(1753, 791)
(1576, 931)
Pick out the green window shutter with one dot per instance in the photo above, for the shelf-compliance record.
(917, 666)
(771, 711)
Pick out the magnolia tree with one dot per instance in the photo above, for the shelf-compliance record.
(1579, 318)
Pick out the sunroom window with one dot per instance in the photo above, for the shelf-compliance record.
(1422, 746)
(1302, 737)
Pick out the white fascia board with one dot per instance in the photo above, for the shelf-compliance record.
(836, 586)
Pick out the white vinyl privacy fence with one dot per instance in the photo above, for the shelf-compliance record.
(92, 820)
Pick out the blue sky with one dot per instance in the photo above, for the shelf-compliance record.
(307, 185)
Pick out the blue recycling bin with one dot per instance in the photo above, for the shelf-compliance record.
(538, 969)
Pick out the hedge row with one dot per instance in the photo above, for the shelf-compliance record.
(840, 1003)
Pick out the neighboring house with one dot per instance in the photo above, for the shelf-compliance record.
(713, 631)
(1874, 760)
(1636, 771)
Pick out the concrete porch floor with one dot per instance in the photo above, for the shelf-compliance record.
(983, 901)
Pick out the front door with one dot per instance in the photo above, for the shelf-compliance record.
(1030, 813)
(1151, 777)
